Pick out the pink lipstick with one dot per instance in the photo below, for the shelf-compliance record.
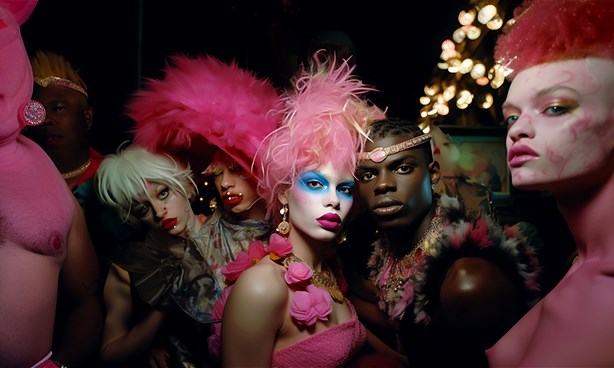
(518, 155)
(329, 221)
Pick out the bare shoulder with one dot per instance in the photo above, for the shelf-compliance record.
(263, 281)
(119, 273)
(259, 291)
(477, 284)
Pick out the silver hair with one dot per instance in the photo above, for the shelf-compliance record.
(123, 176)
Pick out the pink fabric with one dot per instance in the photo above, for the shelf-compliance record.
(36, 210)
(96, 158)
(46, 362)
(333, 347)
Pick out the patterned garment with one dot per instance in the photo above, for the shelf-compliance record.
(165, 268)
(409, 288)
(220, 240)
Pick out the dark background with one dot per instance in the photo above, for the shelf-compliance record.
(113, 43)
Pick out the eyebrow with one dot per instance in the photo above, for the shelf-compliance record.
(544, 92)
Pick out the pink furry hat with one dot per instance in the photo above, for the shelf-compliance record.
(325, 117)
(15, 71)
(202, 104)
(548, 30)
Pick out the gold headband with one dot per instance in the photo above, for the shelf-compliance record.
(57, 81)
(379, 154)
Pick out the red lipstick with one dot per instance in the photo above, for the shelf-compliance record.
(168, 224)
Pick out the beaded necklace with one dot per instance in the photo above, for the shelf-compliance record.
(396, 278)
(398, 275)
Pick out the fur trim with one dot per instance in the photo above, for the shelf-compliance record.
(509, 247)
(203, 104)
(546, 31)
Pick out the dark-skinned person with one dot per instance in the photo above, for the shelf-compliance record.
(450, 285)
(64, 136)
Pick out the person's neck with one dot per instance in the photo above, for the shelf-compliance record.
(309, 250)
(257, 211)
(67, 162)
(403, 240)
(588, 213)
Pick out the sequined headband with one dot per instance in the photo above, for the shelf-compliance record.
(379, 154)
(57, 81)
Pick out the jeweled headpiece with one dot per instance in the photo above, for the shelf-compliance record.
(379, 154)
(51, 69)
(325, 116)
(203, 104)
(574, 29)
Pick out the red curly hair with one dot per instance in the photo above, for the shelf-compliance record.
(575, 29)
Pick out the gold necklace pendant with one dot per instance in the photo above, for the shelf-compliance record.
(324, 279)
(397, 278)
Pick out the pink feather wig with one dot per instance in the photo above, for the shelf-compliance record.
(203, 104)
(575, 29)
(325, 116)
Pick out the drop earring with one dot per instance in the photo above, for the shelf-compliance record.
(284, 226)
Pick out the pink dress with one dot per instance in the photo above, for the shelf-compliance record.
(333, 347)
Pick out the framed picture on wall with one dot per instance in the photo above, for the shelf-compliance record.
(478, 154)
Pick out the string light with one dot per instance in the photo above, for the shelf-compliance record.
(464, 79)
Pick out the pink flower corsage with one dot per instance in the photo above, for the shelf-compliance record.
(233, 270)
(311, 305)
(298, 273)
(279, 247)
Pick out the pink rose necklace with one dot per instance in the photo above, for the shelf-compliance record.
(324, 279)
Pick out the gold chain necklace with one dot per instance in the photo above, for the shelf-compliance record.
(78, 171)
(325, 279)
(401, 269)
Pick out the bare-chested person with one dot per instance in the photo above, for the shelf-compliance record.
(43, 235)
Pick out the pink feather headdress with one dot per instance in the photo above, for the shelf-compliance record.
(325, 116)
(202, 104)
(547, 30)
